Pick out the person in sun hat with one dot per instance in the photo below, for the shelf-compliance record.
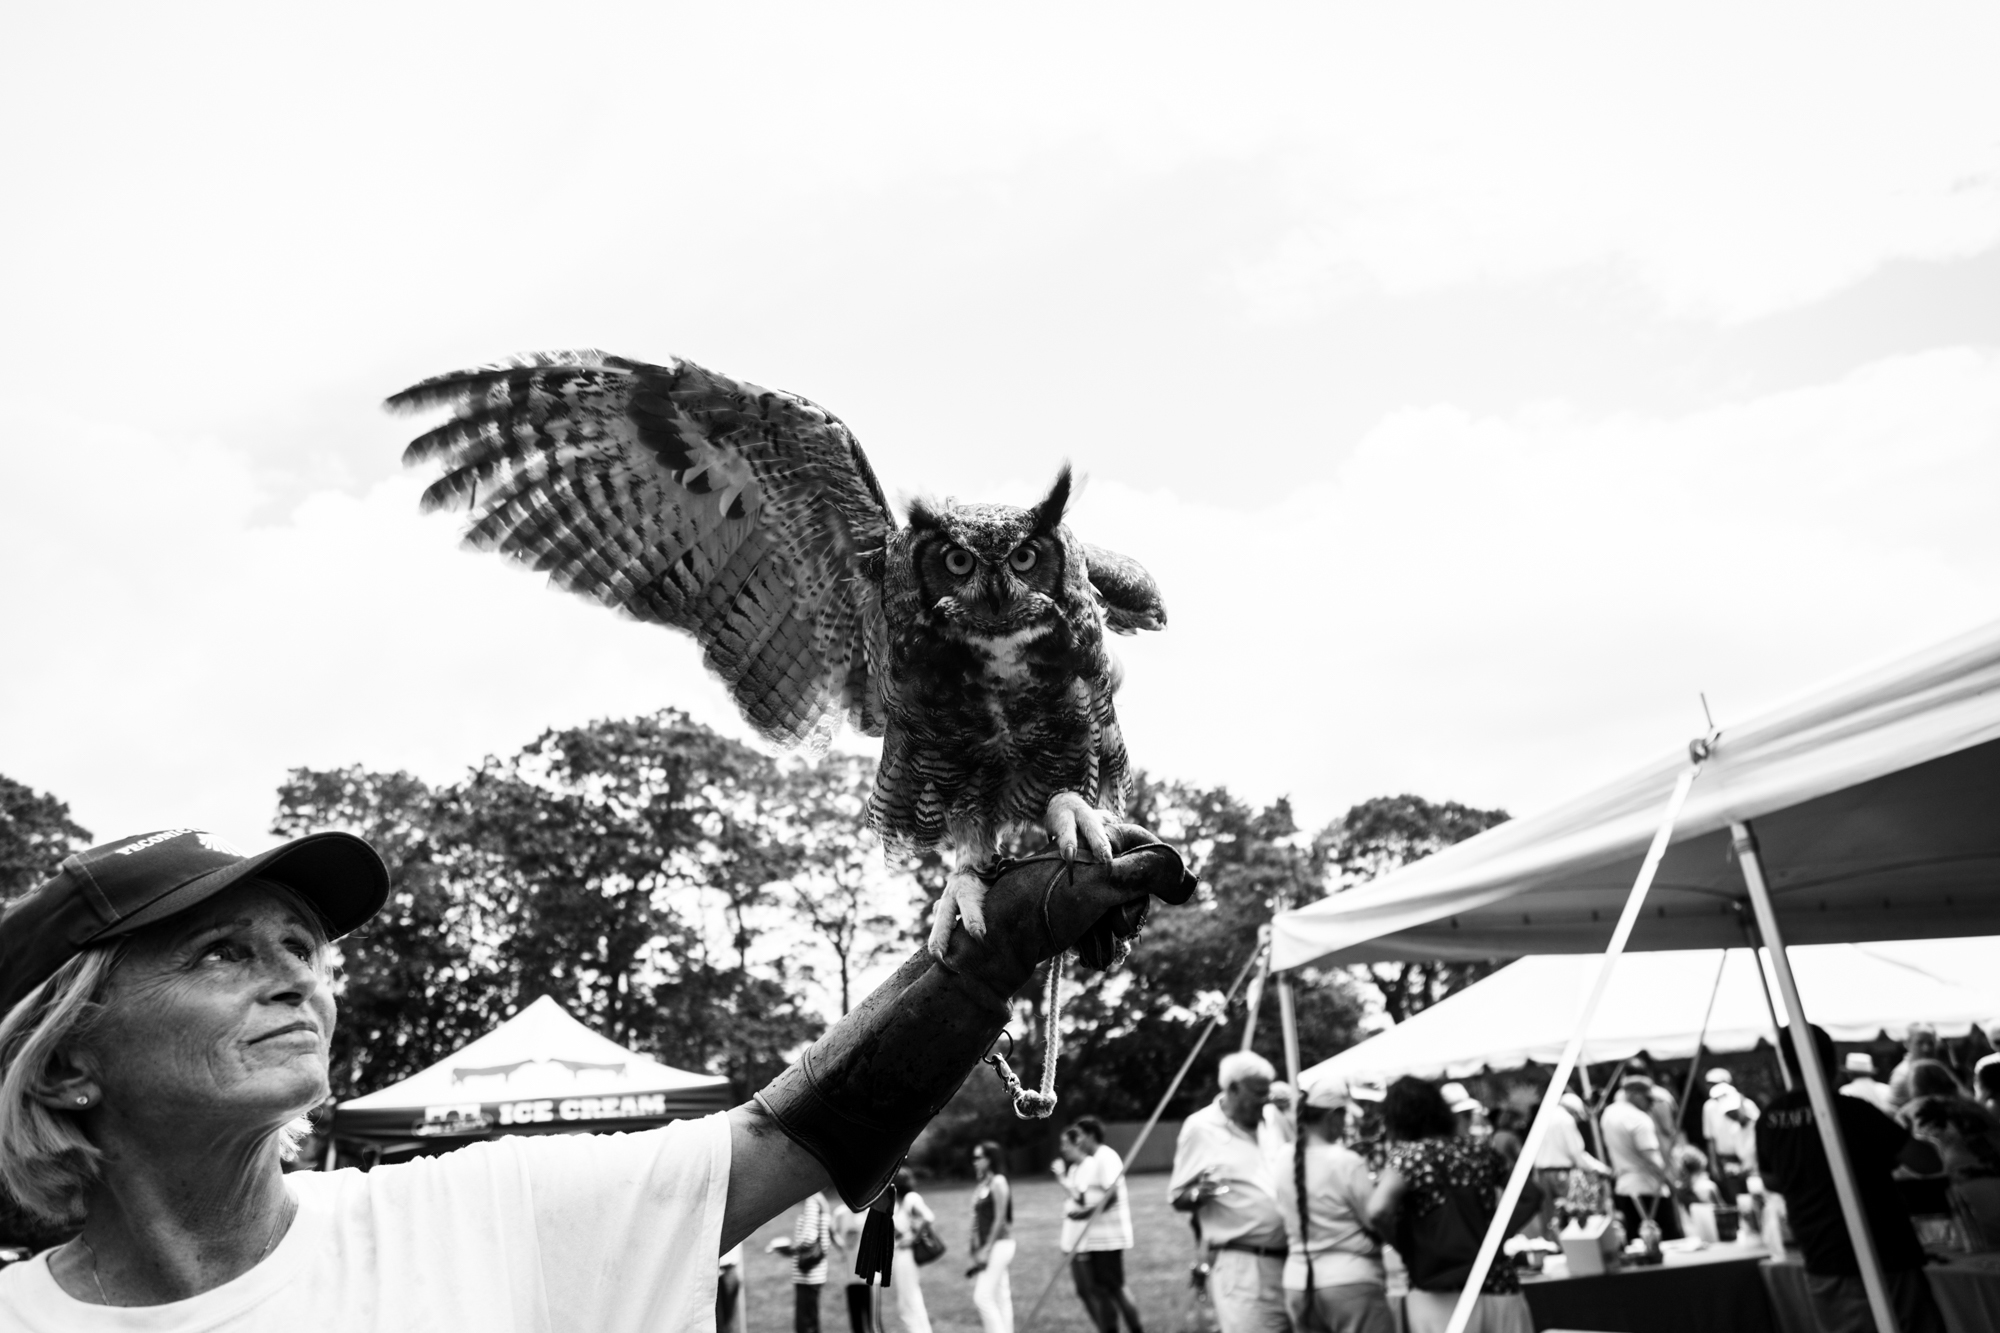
(165, 1010)
(1466, 1111)
(1729, 1124)
(1861, 1081)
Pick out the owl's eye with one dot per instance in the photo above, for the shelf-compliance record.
(1022, 560)
(959, 561)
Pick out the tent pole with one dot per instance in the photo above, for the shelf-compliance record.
(1694, 1061)
(1524, 1165)
(1288, 1018)
(1253, 999)
(1596, 1134)
(1777, 1024)
(1819, 1089)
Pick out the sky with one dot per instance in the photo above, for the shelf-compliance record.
(1481, 384)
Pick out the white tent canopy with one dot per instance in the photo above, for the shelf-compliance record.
(541, 1071)
(1877, 802)
(1526, 1011)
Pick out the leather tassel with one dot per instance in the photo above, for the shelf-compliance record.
(876, 1253)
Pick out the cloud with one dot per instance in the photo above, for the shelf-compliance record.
(1506, 608)
(1491, 608)
(1728, 163)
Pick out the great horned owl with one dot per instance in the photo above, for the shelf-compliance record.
(971, 639)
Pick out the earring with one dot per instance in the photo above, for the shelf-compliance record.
(82, 1099)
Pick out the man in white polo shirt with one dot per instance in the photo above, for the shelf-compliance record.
(1226, 1180)
(1097, 1226)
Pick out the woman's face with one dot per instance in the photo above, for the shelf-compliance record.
(218, 1016)
(981, 1168)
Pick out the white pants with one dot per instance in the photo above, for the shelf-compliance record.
(1430, 1312)
(1248, 1292)
(992, 1293)
(907, 1311)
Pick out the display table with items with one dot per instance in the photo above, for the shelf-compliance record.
(1966, 1287)
(1713, 1288)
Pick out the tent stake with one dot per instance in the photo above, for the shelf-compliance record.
(1819, 1088)
(1517, 1179)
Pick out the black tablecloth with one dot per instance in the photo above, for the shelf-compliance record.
(1967, 1291)
(1713, 1291)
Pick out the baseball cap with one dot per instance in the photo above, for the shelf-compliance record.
(1719, 1075)
(1366, 1089)
(1329, 1094)
(1860, 1062)
(118, 887)
(1635, 1083)
(1457, 1098)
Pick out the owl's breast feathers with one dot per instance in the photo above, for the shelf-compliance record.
(985, 726)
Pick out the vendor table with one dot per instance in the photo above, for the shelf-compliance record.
(1967, 1291)
(1716, 1290)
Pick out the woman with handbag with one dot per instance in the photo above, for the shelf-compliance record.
(916, 1243)
(1435, 1199)
(992, 1240)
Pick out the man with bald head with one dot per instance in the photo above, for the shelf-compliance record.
(1223, 1176)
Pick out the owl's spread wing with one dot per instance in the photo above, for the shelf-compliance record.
(1130, 598)
(682, 497)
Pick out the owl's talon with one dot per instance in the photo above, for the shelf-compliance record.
(962, 903)
(1069, 819)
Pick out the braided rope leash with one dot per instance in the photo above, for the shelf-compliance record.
(1040, 1103)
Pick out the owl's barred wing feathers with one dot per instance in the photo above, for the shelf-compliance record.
(681, 497)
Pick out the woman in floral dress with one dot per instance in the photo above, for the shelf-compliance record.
(1434, 1200)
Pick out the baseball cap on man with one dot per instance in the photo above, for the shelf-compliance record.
(116, 888)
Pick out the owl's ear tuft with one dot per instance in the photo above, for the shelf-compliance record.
(1049, 513)
(924, 514)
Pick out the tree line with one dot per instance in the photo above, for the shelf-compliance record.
(701, 902)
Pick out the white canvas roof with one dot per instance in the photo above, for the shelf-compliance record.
(1876, 802)
(1527, 1010)
(540, 1071)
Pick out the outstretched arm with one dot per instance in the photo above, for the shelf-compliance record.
(768, 1173)
(858, 1097)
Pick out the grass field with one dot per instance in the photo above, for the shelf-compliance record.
(1156, 1268)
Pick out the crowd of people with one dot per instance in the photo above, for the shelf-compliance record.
(1303, 1203)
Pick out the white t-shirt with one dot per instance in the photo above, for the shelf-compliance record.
(1733, 1138)
(1631, 1139)
(1337, 1190)
(1113, 1228)
(1563, 1146)
(616, 1232)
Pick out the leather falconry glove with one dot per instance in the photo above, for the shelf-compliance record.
(860, 1095)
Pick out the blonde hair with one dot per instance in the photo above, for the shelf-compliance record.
(46, 1162)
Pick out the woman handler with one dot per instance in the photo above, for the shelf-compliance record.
(164, 1018)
